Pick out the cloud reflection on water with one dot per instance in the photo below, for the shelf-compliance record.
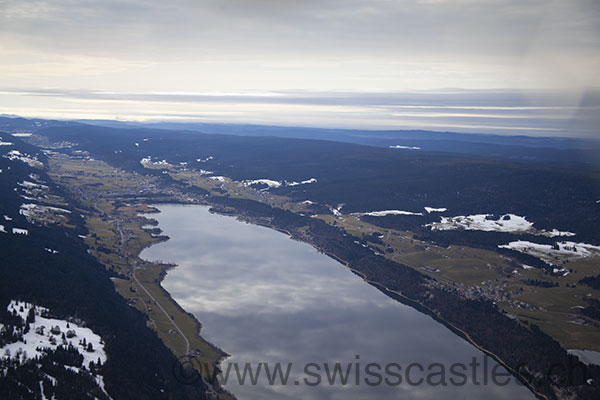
(265, 298)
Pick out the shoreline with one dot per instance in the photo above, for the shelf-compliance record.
(397, 296)
(420, 308)
(164, 268)
(393, 294)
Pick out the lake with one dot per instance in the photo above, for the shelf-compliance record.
(267, 299)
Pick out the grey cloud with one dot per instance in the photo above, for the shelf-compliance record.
(322, 27)
(130, 48)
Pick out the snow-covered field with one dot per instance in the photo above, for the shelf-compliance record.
(305, 182)
(405, 147)
(20, 231)
(388, 212)
(275, 184)
(34, 342)
(433, 209)
(484, 222)
(337, 211)
(551, 253)
(3, 143)
(47, 333)
(32, 161)
(509, 223)
(269, 182)
(555, 233)
(32, 185)
(36, 212)
(148, 163)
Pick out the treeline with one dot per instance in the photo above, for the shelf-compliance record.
(539, 283)
(591, 281)
(593, 310)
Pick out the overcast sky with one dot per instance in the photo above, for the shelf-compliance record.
(432, 64)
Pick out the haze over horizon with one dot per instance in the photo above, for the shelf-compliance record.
(503, 67)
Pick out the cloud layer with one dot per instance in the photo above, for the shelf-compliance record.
(240, 46)
(536, 113)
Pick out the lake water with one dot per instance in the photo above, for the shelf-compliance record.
(264, 298)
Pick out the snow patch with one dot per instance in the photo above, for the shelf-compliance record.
(147, 162)
(483, 222)
(27, 209)
(275, 184)
(586, 356)
(269, 182)
(432, 209)
(31, 185)
(555, 233)
(32, 161)
(217, 178)
(34, 339)
(509, 223)
(306, 182)
(46, 334)
(337, 210)
(549, 253)
(388, 212)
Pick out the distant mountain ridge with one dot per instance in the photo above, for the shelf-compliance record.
(583, 152)
(518, 148)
